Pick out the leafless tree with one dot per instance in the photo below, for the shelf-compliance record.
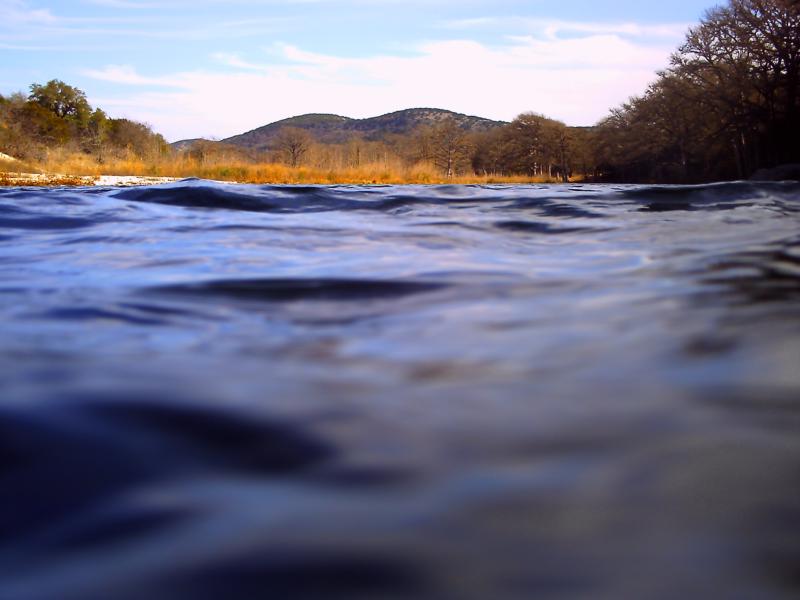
(450, 146)
(293, 143)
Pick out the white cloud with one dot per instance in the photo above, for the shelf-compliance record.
(576, 79)
(127, 75)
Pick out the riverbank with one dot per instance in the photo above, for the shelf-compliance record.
(269, 174)
(56, 180)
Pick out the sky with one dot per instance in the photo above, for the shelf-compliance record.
(216, 68)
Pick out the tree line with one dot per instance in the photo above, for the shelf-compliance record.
(531, 145)
(727, 105)
(57, 115)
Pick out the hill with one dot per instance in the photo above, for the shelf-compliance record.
(335, 128)
(182, 145)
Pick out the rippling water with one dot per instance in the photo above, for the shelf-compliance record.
(225, 391)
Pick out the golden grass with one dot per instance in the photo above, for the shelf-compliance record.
(17, 166)
(183, 166)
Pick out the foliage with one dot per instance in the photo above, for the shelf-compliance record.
(58, 116)
(64, 101)
(335, 130)
(728, 104)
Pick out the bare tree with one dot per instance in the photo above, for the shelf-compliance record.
(526, 148)
(728, 104)
(450, 146)
(293, 143)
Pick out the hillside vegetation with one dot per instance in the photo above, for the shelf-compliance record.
(333, 129)
(421, 142)
(55, 120)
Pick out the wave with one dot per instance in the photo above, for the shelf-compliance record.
(553, 200)
(302, 289)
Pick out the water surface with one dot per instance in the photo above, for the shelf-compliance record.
(236, 391)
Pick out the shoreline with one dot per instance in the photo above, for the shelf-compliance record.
(11, 179)
(18, 179)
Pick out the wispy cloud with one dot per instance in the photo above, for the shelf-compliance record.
(471, 23)
(19, 12)
(125, 4)
(37, 28)
(233, 60)
(555, 28)
(127, 75)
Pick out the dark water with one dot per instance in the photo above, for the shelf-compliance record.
(214, 391)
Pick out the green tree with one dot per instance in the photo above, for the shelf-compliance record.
(63, 100)
(97, 134)
(42, 125)
(136, 138)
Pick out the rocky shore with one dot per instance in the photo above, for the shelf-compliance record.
(40, 179)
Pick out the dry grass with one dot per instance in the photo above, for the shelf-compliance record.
(182, 166)
(26, 173)
(17, 166)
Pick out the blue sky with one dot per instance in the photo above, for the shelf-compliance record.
(216, 68)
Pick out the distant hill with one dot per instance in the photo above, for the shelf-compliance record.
(335, 128)
(181, 145)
